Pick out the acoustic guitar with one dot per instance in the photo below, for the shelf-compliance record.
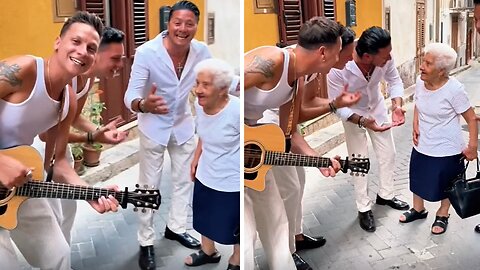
(264, 147)
(11, 199)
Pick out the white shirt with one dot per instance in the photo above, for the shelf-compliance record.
(371, 103)
(439, 118)
(152, 64)
(218, 167)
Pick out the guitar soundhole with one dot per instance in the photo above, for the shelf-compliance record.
(252, 155)
(3, 194)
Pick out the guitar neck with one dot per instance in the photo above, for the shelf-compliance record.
(290, 159)
(36, 189)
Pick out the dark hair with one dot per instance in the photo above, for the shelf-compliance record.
(86, 18)
(372, 40)
(348, 36)
(111, 35)
(185, 5)
(476, 2)
(318, 31)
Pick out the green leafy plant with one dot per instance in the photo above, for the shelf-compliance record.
(93, 111)
(77, 151)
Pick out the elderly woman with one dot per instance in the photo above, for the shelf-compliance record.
(438, 143)
(216, 164)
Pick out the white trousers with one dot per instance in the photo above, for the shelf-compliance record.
(151, 156)
(384, 148)
(44, 230)
(265, 213)
(291, 188)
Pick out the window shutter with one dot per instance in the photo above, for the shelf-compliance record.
(139, 22)
(289, 21)
(94, 6)
(329, 9)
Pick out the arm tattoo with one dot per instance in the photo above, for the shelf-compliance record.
(262, 66)
(9, 74)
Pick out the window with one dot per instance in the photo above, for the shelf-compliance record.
(289, 21)
(351, 12)
(63, 9)
(211, 28)
(387, 19)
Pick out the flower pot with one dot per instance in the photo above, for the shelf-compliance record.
(91, 155)
(78, 166)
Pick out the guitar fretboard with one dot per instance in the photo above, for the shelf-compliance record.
(37, 189)
(290, 159)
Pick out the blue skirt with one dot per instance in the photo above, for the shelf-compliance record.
(431, 176)
(216, 214)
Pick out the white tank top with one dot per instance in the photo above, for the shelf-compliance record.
(20, 123)
(258, 101)
(84, 90)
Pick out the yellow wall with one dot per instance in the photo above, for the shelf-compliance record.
(260, 29)
(27, 30)
(369, 13)
(154, 17)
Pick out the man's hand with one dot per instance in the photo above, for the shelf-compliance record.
(347, 99)
(155, 104)
(12, 172)
(109, 133)
(398, 116)
(193, 170)
(371, 124)
(103, 205)
(332, 170)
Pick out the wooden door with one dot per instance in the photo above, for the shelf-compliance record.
(420, 34)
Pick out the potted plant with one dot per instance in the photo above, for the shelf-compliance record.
(93, 111)
(77, 152)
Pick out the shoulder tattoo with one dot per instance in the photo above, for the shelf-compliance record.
(262, 66)
(9, 74)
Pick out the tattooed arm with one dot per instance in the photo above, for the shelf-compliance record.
(261, 67)
(17, 77)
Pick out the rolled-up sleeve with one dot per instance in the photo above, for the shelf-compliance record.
(395, 84)
(335, 85)
(138, 79)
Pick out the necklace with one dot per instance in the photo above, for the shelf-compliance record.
(366, 73)
(48, 74)
(181, 65)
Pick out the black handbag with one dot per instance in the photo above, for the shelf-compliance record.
(464, 194)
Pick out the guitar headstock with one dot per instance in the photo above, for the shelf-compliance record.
(358, 165)
(144, 198)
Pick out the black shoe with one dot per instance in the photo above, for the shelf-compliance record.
(366, 221)
(146, 260)
(477, 228)
(394, 203)
(309, 242)
(183, 238)
(300, 263)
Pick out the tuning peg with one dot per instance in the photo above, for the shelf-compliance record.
(144, 210)
(135, 209)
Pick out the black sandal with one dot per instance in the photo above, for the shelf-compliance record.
(412, 215)
(441, 222)
(477, 228)
(233, 267)
(201, 258)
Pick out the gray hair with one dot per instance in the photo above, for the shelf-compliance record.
(445, 56)
(221, 71)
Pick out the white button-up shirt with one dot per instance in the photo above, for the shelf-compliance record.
(371, 103)
(152, 64)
